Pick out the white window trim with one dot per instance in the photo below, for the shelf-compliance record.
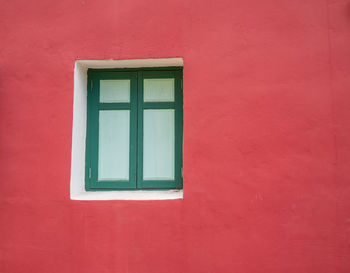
(77, 181)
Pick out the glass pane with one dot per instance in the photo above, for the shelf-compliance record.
(113, 145)
(158, 144)
(158, 90)
(114, 91)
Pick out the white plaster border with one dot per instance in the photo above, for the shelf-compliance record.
(77, 181)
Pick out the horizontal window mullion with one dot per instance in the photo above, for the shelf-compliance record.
(158, 105)
(114, 106)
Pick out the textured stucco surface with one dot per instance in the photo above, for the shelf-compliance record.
(266, 137)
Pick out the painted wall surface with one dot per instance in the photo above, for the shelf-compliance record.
(266, 137)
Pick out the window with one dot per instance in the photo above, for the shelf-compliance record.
(134, 129)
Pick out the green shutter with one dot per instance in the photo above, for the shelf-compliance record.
(136, 106)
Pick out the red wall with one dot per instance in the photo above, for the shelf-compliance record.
(266, 137)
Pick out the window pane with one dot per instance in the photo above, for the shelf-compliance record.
(113, 158)
(158, 144)
(158, 90)
(114, 91)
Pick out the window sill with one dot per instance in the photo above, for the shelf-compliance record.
(128, 195)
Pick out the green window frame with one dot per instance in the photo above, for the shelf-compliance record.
(136, 107)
